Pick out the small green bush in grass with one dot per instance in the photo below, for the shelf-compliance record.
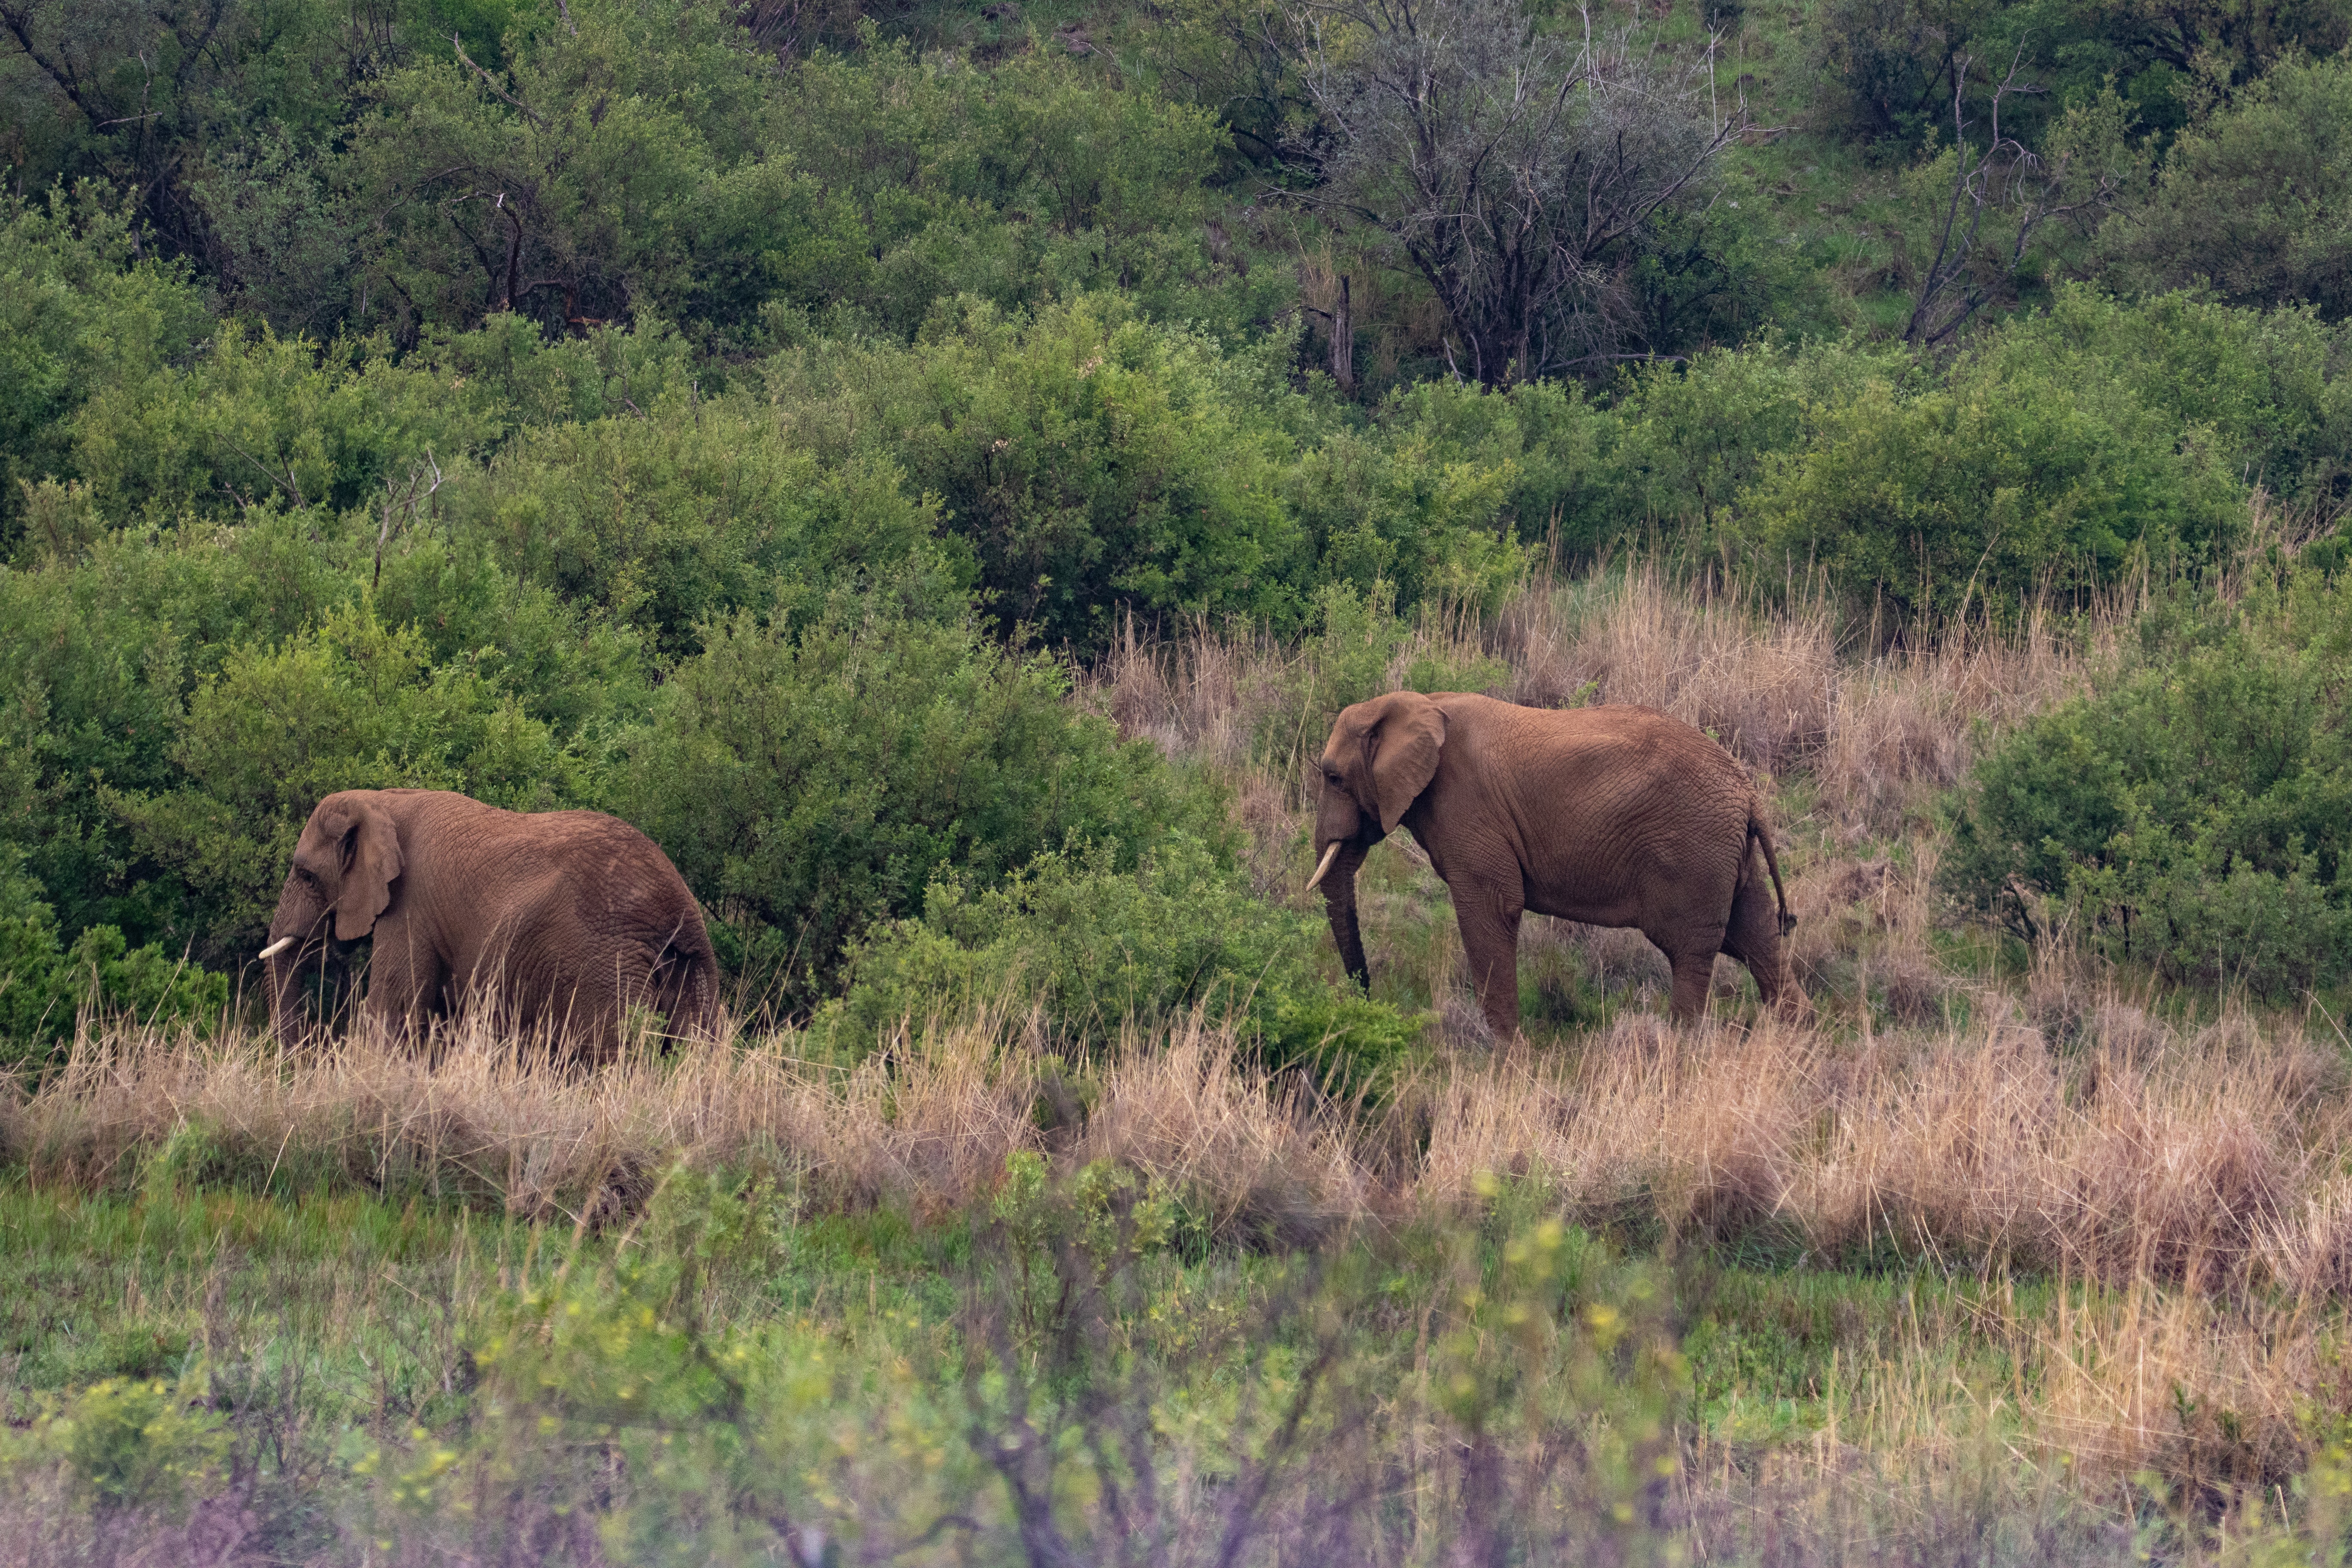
(811, 775)
(2195, 816)
(1100, 944)
(129, 1443)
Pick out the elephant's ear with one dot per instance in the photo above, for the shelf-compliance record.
(1404, 743)
(370, 855)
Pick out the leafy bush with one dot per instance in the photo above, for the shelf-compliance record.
(2253, 202)
(44, 984)
(1686, 440)
(933, 174)
(813, 775)
(668, 517)
(1395, 508)
(2195, 816)
(2270, 385)
(259, 418)
(81, 311)
(131, 1442)
(103, 650)
(1100, 944)
(1091, 460)
(2009, 480)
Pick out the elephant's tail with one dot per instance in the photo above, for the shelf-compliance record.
(1762, 834)
(702, 993)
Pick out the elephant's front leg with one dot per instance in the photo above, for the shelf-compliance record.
(1489, 918)
(404, 974)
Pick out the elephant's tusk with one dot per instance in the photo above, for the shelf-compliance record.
(1325, 865)
(275, 948)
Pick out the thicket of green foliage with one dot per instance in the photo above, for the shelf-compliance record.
(740, 426)
(2196, 815)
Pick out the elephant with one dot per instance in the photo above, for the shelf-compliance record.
(558, 920)
(1610, 816)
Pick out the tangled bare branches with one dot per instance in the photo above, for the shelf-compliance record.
(1512, 167)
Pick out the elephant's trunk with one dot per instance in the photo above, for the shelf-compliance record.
(286, 1021)
(1340, 903)
(297, 936)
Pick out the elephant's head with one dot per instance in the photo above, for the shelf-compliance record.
(1380, 756)
(344, 866)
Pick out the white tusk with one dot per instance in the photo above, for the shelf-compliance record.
(275, 948)
(1329, 856)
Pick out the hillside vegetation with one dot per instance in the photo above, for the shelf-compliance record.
(939, 470)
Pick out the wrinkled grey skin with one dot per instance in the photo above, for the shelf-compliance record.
(1613, 816)
(557, 921)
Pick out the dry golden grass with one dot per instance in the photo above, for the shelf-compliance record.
(2187, 1181)
(1783, 685)
(2205, 1158)
(2208, 1156)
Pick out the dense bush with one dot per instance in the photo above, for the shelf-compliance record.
(82, 312)
(1089, 459)
(813, 773)
(46, 986)
(2252, 202)
(2009, 479)
(667, 517)
(1100, 945)
(2195, 816)
(2268, 387)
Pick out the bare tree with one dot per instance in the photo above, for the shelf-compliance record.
(1514, 169)
(2077, 178)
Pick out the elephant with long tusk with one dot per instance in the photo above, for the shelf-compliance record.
(1613, 816)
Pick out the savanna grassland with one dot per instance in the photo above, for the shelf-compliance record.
(938, 470)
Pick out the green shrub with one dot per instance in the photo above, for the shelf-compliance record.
(2270, 385)
(258, 417)
(2008, 480)
(682, 514)
(1091, 460)
(1035, 181)
(82, 312)
(44, 984)
(132, 1443)
(1100, 945)
(101, 652)
(1686, 440)
(2252, 202)
(2195, 817)
(1396, 507)
(812, 775)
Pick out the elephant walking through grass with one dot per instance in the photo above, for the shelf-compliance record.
(1613, 816)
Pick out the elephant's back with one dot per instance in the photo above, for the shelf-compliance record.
(616, 860)
(592, 873)
(1643, 741)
